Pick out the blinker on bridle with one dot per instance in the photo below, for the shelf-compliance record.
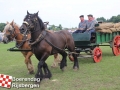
(12, 32)
(24, 22)
(28, 25)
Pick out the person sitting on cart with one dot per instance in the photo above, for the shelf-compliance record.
(82, 25)
(90, 24)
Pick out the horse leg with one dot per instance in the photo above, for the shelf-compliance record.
(71, 49)
(30, 67)
(46, 71)
(56, 60)
(28, 63)
(64, 61)
(26, 60)
(42, 59)
(76, 65)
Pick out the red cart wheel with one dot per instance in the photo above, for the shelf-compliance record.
(97, 54)
(116, 45)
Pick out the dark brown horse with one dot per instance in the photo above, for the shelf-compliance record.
(11, 31)
(44, 43)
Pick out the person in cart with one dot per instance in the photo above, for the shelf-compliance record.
(90, 24)
(82, 25)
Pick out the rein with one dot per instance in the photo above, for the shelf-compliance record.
(15, 35)
(40, 37)
(23, 41)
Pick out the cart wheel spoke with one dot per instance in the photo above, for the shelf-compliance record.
(97, 54)
(116, 45)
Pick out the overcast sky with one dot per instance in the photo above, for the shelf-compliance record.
(65, 12)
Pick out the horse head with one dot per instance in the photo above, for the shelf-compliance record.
(9, 32)
(31, 23)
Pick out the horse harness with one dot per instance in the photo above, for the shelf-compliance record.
(42, 37)
(39, 39)
(24, 39)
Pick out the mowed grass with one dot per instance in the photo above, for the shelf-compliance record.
(90, 76)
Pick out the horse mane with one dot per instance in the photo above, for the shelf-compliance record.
(15, 24)
(42, 26)
(9, 26)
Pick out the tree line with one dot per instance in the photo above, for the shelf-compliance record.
(2, 25)
(114, 19)
(50, 27)
(53, 27)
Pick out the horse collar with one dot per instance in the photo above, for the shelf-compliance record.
(39, 39)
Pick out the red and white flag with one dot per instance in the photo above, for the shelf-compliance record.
(5, 81)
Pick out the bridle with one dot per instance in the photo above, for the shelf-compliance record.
(40, 37)
(12, 32)
(29, 26)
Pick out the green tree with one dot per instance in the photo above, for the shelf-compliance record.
(60, 26)
(101, 19)
(53, 27)
(114, 19)
(2, 25)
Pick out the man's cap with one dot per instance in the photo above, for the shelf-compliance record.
(90, 15)
(81, 16)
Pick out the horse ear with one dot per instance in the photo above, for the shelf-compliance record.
(7, 22)
(12, 23)
(37, 13)
(28, 12)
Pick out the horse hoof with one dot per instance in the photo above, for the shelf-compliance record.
(75, 68)
(63, 69)
(46, 79)
(31, 72)
(53, 66)
(58, 64)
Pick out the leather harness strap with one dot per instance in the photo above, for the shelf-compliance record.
(42, 37)
(18, 45)
(39, 39)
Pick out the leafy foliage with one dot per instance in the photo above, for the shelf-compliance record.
(2, 25)
(113, 19)
(101, 19)
(53, 27)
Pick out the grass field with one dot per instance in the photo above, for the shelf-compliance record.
(91, 76)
